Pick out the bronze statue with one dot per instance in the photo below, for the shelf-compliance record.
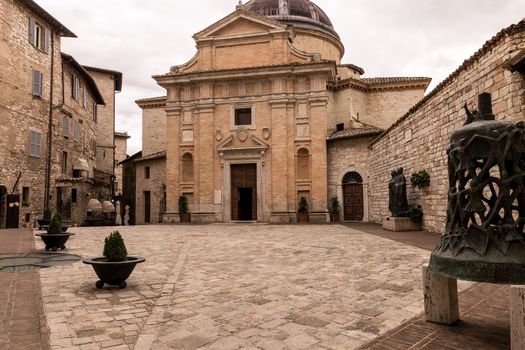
(484, 239)
(397, 191)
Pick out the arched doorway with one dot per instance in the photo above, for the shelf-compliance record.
(353, 197)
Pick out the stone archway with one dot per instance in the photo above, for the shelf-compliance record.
(353, 197)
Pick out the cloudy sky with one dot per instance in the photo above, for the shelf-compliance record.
(386, 37)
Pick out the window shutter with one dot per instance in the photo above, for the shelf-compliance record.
(31, 33)
(46, 40)
(37, 83)
(73, 85)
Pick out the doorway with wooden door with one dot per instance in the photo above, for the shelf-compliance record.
(353, 196)
(244, 192)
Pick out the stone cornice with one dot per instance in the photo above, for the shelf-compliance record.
(320, 68)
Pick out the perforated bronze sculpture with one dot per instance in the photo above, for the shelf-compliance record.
(484, 238)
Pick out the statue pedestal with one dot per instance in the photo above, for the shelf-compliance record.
(400, 224)
(441, 298)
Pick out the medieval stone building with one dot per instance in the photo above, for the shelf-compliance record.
(263, 114)
(57, 121)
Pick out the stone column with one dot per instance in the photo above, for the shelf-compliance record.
(441, 297)
(204, 165)
(517, 317)
(173, 116)
(318, 127)
(279, 156)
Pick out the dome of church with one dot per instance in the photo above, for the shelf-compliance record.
(299, 13)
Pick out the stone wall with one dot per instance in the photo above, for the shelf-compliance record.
(154, 184)
(105, 122)
(153, 130)
(20, 111)
(344, 156)
(419, 140)
(121, 149)
(383, 108)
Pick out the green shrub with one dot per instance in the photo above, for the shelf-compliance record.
(416, 215)
(47, 214)
(303, 205)
(420, 179)
(114, 247)
(183, 204)
(55, 228)
(333, 206)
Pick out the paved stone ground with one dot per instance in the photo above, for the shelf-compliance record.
(22, 323)
(236, 286)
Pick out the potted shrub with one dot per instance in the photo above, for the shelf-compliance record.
(420, 179)
(115, 266)
(185, 216)
(46, 220)
(416, 215)
(334, 208)
(302, 210)
(56, 237)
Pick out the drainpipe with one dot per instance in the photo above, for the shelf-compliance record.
(47, 186)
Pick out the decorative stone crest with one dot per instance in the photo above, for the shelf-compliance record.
(266, 132)
(218, 135)
(242, 134)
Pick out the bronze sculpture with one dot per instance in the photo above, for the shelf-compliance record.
(397, 194)
(484, 239)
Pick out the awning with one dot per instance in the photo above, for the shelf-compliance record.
(108, 207)
(81, 164)
(94, 205)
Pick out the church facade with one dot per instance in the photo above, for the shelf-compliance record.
(265, 113)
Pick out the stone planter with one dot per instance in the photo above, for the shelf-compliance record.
(113, 273)
(303, 217)
(185, 217)
(45, 227)
(54, 242)
(334, 217)
(43, 223)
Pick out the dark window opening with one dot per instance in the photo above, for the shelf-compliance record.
(25, 194)
(64, 162)
(73, 195)
(77, 173)
(243, 116)
(340, 127)
(146, 172)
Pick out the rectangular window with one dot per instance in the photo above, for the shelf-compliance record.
(35, 139)
(38, 77)
(94, 146)
(65, 127)
(75, 130)
(38, 35)
(146, 172)
(64, 162)
(243, 116)
(74, 86)
(95, 112)
(25, 194)
(73, 195)
(84, 98)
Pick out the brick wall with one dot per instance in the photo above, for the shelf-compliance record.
(420, 139)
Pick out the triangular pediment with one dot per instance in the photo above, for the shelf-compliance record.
(242, 143)
(240, 22)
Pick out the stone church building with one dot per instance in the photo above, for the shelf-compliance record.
(263, 114)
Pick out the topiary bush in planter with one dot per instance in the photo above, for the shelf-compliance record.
(116, 265)
(420, 179)
(302, 210)
(333, 209)
(55, 238)
(55, 227)
(185, 216)
(416, 215)
(114, 247)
